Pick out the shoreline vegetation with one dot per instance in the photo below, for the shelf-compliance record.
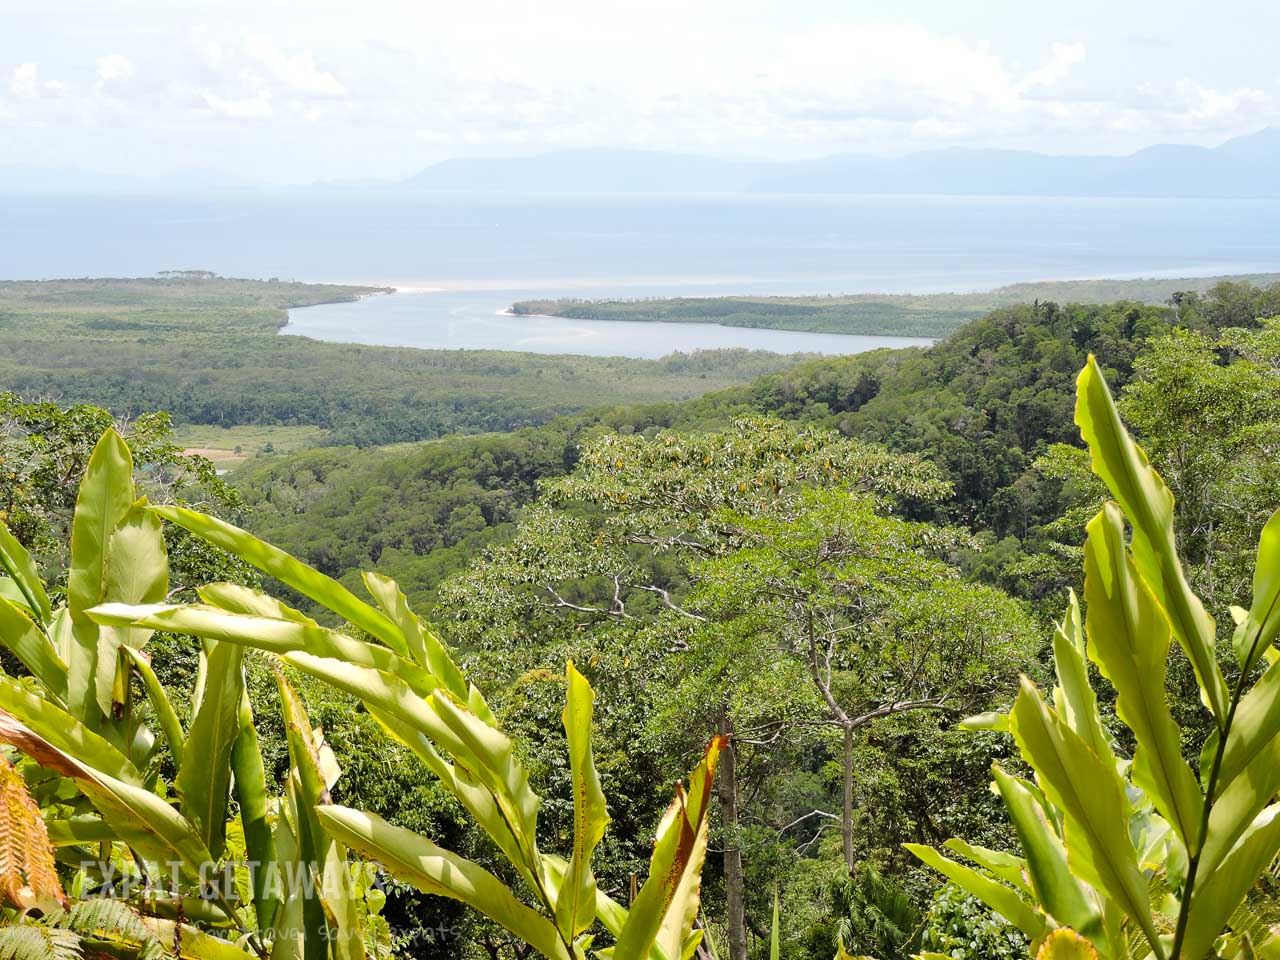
(875, 314)
(207, 350)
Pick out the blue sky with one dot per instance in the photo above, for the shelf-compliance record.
(283, 91)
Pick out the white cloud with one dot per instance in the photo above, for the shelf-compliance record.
(112, 67)
(243, 108)
(1202, 103)
(23, 84)
(299, 72)
(399, 85)
(1063, 57)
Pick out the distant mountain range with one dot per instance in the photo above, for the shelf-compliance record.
(1244, 167)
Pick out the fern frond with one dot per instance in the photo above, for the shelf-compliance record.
(112, 921)
(36, 942)
(27, 873)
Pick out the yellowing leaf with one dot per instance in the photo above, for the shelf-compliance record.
(1064, 944)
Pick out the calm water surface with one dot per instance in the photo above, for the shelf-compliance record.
(474, 321)
(486, 252)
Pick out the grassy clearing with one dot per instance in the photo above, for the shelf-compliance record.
(233, 445)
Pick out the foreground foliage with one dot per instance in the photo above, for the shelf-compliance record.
(91, 747)
(1141, 855)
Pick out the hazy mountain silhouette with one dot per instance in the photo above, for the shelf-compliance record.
(1244, 167)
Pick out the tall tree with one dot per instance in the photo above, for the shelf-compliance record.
(650, 545)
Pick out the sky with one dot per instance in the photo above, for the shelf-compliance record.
(278, 91)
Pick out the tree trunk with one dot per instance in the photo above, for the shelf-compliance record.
(846, 814)
(734, 881)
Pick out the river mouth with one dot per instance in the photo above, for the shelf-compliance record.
(481, 320)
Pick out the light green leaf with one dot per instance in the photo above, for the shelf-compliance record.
(285, 568)
(105, 498)
(1090, 793)
(139, 817)
(17, 563)
(1056, 889)
(489, 756)
(166, 716)
(576, 903)
(1254, 730)
(252, 796)
(663, 913)
(431, 869)
(775, 946)
(135, 570)
(1004, 866)
(316, 845)
(992, 720)
(204, 786)
(79, 830)
(1129, 640)
(1148, 505)
(474, 797)
(64, 732)
(423, 644)
(1003, 900)
(1074, 698)
(29, 644)
(194, 944)
(237, 598)
(279, 636)
(1262, 625)
(1221, 891)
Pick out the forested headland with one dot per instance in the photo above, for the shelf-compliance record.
(786, 593)
(906, 315)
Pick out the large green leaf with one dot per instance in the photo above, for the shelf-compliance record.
(489, 757)
(285, 568)
(1091, 795)
(478, 801)
(30, 645)
(135, 570)
(576, 903)
(1004, 866)
(290, 922)
(252, 796)
(1262, 625)
(1221, 891)
(166, 716)
(1056, 889)
(64, 732)
(17, 563)
(775, 947)
(237, 598)
(487, 776)
(105, 498)
(1254, 730)
(1148, 505)
(1235, 810)
(1074, 698)
(424, 646)
(317, 846)
(193, 944)
(663, 912)
(140, 818)
(1003, 900)
(431, 869)
(279, 636)
(204, 784)
(1129, 639)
